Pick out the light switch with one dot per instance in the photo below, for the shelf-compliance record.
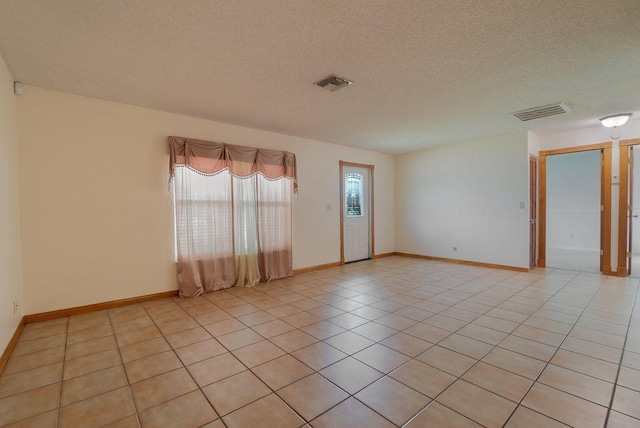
(521, 205)
(328, 207)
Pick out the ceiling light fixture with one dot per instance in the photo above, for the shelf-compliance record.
(615, 120)
(333, 83)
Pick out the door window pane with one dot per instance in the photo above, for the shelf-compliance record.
(353, 194)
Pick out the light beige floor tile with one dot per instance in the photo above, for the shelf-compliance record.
(406, 344)
(144, 349)
(293, 340)
(30, 379)
(437, 415)
(91, 363)
(235, 391)
(48, 419)
(527, 418)
(477, 404)
(199, 351)
(325, 395)
(427, 332)
(483, 334)
(33, 360)
(349, 342)
(629, 378)
(187, 337)
(447, 360)
(592, 349)
(178, 326)
(89, 334)
(29, 346)
(626, 401)
(351, 412)
(584, 364)
(258, 353)
(153, 365)
(281, 372)
(405, 404)
(161, 388)
(34, 332)
(190, 410)
(504, 383)
(272, 328)
(97, 411)
(374, 331)
(579, 384)
(351, 374)
(528, 348)
(214, 369)
(27, 404)
(467, 346)
(92, 384)
(381, 358)
(425, 379)
(239, 339)
(89, 347)
(563, 407)
(269, 411)
(255, 318)
(319, 355)
(620, 420)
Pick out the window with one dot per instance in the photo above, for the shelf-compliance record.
(232, 208)
(353, 195)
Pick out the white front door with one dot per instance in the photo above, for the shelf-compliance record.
(356, 213)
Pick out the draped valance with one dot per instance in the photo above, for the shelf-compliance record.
(209, 157)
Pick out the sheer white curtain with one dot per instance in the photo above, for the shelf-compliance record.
(204, 230)
(233, 214)
(245, 202)
(274, 227)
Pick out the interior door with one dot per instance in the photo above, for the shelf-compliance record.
(356, 213)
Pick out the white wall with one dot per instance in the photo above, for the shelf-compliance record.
(10, 268)
(466, 195)
(96, 213)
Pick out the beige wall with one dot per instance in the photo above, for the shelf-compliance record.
(10, 278)
(96, 213)
(467, 196)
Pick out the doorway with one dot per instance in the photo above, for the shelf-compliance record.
(603, 211)
(629, 210)
(356, 212)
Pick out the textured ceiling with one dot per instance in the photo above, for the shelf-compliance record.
(425, 72)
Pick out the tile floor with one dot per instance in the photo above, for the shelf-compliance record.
(384, 343)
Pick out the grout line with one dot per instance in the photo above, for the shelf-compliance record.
(626, 336)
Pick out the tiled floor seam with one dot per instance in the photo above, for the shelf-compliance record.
(624, 345)
(476, 363)
(554, 353)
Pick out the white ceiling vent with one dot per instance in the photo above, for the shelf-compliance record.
(542, 111)
(333, 83)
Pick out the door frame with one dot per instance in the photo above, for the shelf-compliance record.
(371, 205)
(624, 207)
(605, 202)
(533, 210)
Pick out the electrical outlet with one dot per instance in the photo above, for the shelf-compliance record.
(455, 248)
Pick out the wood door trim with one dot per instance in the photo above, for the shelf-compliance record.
(600, 146)
(605, 192)
(533, 209)
(623, 227)
(371, 207)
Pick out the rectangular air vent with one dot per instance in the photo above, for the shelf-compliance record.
(542, 111)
